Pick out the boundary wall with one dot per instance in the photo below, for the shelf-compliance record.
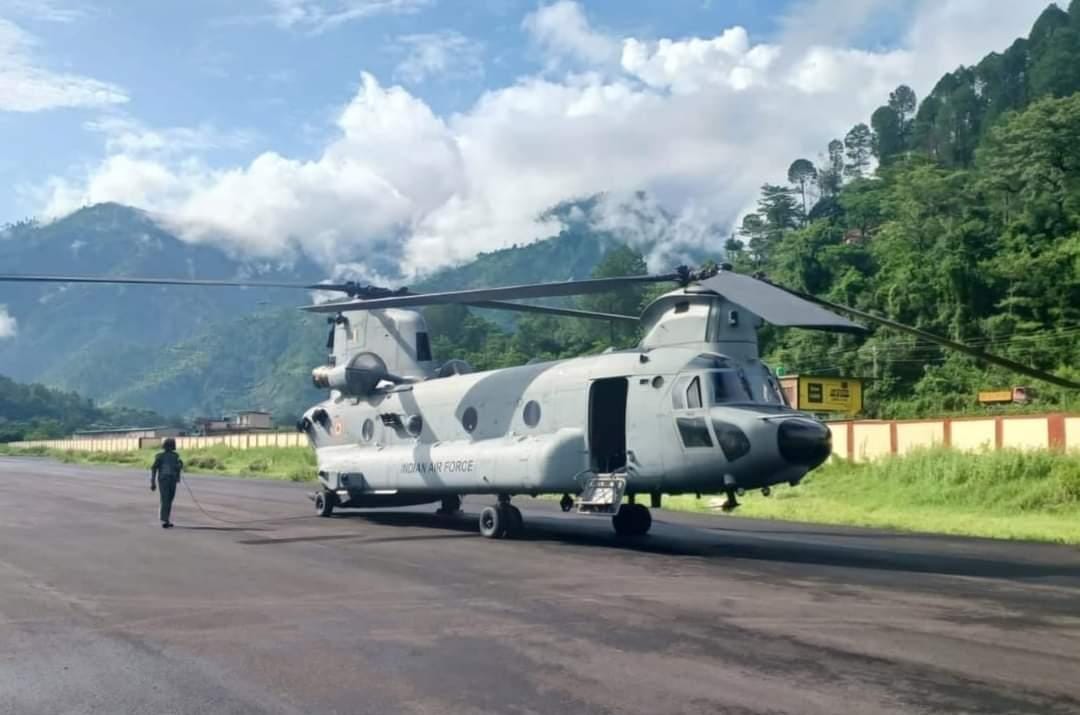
(246, 440)
(855, 440)
(866, 440)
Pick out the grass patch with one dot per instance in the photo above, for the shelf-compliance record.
(296, 464)
(1005, 494)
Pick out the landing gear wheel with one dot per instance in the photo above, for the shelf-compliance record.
(632, 520)
(493, 522)
(324, 504)
(501, 521)
(642, 519)
(515, 524)
(566, 503)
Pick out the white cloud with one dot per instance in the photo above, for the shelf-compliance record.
(43, 10)
(27, 87)
(8, 324)
(124, 135)
(563, 31)
(321, 15)
(697, 123)
(446, 54)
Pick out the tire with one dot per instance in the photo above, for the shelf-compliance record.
(515, 523)
(632, 520)
(493, 522)
(642, 520)
(324, 504)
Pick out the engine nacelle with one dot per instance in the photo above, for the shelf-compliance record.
(360, 376)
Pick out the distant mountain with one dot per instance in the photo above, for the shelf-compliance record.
(67, 330)
(202, 351)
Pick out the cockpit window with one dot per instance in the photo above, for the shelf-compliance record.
(726, 386)
(694, 432)
(693, 394)
(423, 347)
(772, 392)
(709, 362)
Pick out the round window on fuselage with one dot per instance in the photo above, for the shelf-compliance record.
(531, 413)
(469, 419)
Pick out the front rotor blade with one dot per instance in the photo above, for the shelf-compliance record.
(551, 310)
(532, 290)
(945, 342)
(777, 305)
(15, 278)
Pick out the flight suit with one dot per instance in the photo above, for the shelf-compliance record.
(166, 472)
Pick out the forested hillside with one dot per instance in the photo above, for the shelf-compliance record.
(37, 412)
(959, 214)
(969, 227)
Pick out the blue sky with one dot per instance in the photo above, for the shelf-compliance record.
(337, 123)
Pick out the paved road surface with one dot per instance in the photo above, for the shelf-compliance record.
(102, 611)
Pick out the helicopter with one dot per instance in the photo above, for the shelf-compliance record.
(691, 409)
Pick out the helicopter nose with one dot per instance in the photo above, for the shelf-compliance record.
(804, 442)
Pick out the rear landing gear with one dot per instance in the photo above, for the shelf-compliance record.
(632, 520)
(450, 506)
(503, 520)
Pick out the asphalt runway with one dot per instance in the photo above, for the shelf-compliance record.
(102, 611)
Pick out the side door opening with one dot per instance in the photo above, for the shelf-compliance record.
(607, 424)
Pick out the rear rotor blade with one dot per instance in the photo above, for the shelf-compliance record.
(532, 290)
(945, 342)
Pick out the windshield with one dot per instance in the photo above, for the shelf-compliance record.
(727, 386)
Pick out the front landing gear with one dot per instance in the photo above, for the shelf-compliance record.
(503, 520)
(324, 503)
(632, 520)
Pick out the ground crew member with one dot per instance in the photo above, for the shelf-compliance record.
(166, 473)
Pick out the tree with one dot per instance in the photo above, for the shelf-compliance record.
(618, 261)
(831, 175)
(858, 148)
(756, 233)
(801, 173)
(778, 207)
(902, 100)
(888, 134)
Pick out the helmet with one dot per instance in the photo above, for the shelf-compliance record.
(169, 445)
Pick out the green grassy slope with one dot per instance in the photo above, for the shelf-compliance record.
(1007, 494)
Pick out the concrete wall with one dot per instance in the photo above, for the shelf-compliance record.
(868, 440)
(239, 441)
(973, 435)
(1072, 433)
(855, 440)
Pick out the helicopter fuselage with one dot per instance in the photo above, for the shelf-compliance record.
(670, 419)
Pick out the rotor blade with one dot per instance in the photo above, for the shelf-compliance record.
(930, 337)
(777, 305)
(549, 310)
(15, 278)
(532, 290)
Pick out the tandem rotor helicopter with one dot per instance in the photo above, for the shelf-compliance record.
(690, 409)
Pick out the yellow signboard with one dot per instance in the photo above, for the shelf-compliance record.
(830, 394)
(991, 396)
